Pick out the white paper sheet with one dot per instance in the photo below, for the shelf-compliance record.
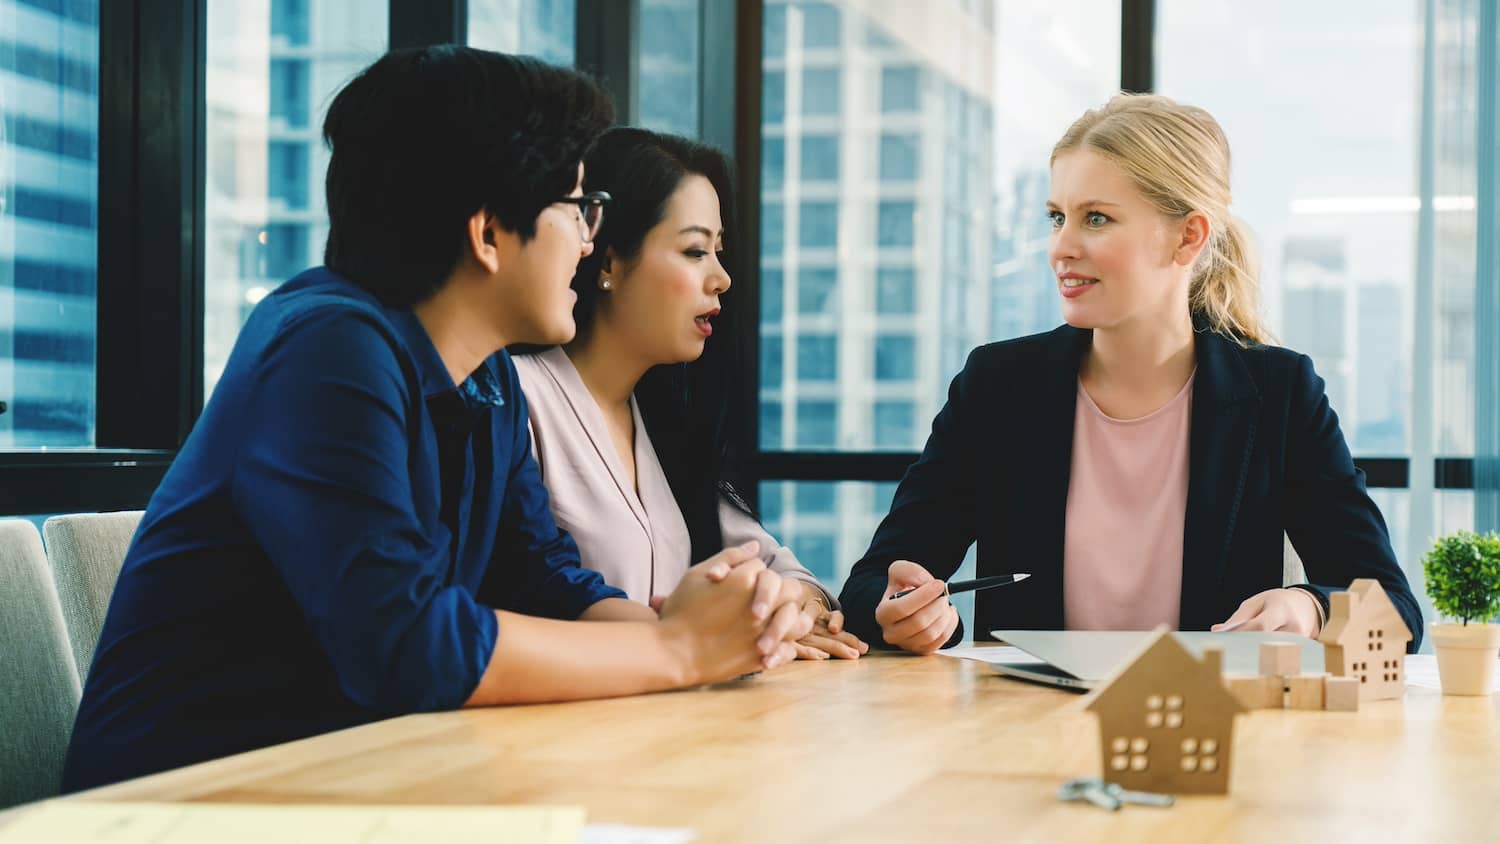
(993, 654)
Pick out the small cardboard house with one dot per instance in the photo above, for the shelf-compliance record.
(1366, 639)
(1166, 721)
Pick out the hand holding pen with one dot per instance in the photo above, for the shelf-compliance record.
(915, 614)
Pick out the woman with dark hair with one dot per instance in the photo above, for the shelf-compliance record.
(631, 419)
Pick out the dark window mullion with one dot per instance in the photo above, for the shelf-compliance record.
(419, 23)
(150, 253)
(83, 480)
(1452, 473)
(1485, 474)
(1137, 45)
(117, 280)
(607, 42)
(733, 123)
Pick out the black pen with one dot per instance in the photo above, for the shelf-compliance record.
(974, 585)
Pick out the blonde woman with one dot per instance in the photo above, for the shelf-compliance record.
(1143, 461)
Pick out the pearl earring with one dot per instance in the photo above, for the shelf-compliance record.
(604, 284)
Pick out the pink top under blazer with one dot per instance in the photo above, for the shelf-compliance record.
(1127, 505)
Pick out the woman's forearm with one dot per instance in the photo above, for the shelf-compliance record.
(538, 660)
(618, 609)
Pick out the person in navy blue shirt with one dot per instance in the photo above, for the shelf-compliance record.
(355, 528)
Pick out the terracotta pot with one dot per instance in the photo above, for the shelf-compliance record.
(1466, 656)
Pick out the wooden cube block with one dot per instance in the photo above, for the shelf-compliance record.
(1341, 694)
(1280, 659)
(1305, 691)
(1255, 691)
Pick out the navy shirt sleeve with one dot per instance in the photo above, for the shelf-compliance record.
(536, 567)
(328, 497)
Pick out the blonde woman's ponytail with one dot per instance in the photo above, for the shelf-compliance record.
(1225, 291)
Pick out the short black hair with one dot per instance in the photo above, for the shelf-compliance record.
(690, 410)
(426, 137)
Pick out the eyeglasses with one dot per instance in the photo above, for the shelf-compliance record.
(590, 212)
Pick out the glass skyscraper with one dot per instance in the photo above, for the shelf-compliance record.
(49, 101)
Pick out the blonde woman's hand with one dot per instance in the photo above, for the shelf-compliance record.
(921, 621)
(1289, 610)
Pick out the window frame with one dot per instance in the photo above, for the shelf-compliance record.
(151, 239)
(149, 380)
(149, 330)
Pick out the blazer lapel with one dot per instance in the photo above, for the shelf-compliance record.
(591, 420)
(1225, 408)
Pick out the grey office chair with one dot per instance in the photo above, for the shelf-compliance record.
(86, 551)
(39, 686)
(1292, 571)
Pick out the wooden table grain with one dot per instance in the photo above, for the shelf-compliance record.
(888, 748)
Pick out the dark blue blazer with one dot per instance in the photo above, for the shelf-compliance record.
(1266, 456)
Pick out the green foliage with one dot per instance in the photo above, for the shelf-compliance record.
(1463, 576)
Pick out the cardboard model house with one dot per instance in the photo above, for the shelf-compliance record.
(1366, 639)
(1166, 721)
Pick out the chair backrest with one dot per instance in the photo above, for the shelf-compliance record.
(39, 686)
(86, 551)
(1292, 571)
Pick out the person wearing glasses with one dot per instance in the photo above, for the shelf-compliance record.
(630, 420)
(355, 528)
(1145, 461)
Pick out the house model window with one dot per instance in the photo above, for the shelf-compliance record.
(1164, 711)
(1200, 755)
(1129, 753)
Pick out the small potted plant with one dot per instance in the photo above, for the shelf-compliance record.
(1463, 580)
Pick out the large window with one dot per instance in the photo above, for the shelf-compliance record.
(931, 240)
(49, 128)
(1335, 205)
(903, 172)
(878, 234)
(810, 518)
(541, 28)
(272, 69)
(1367, 263)
(904, 182)
(669, 65)
(208, 179)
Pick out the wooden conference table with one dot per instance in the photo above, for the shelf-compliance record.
(890, 747)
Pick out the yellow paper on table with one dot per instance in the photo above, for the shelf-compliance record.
(178, 823)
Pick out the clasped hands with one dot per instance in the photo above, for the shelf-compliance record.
(786, 617)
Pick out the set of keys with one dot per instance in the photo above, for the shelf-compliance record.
(1108, 795)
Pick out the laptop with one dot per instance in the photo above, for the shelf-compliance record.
(1080, 660)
